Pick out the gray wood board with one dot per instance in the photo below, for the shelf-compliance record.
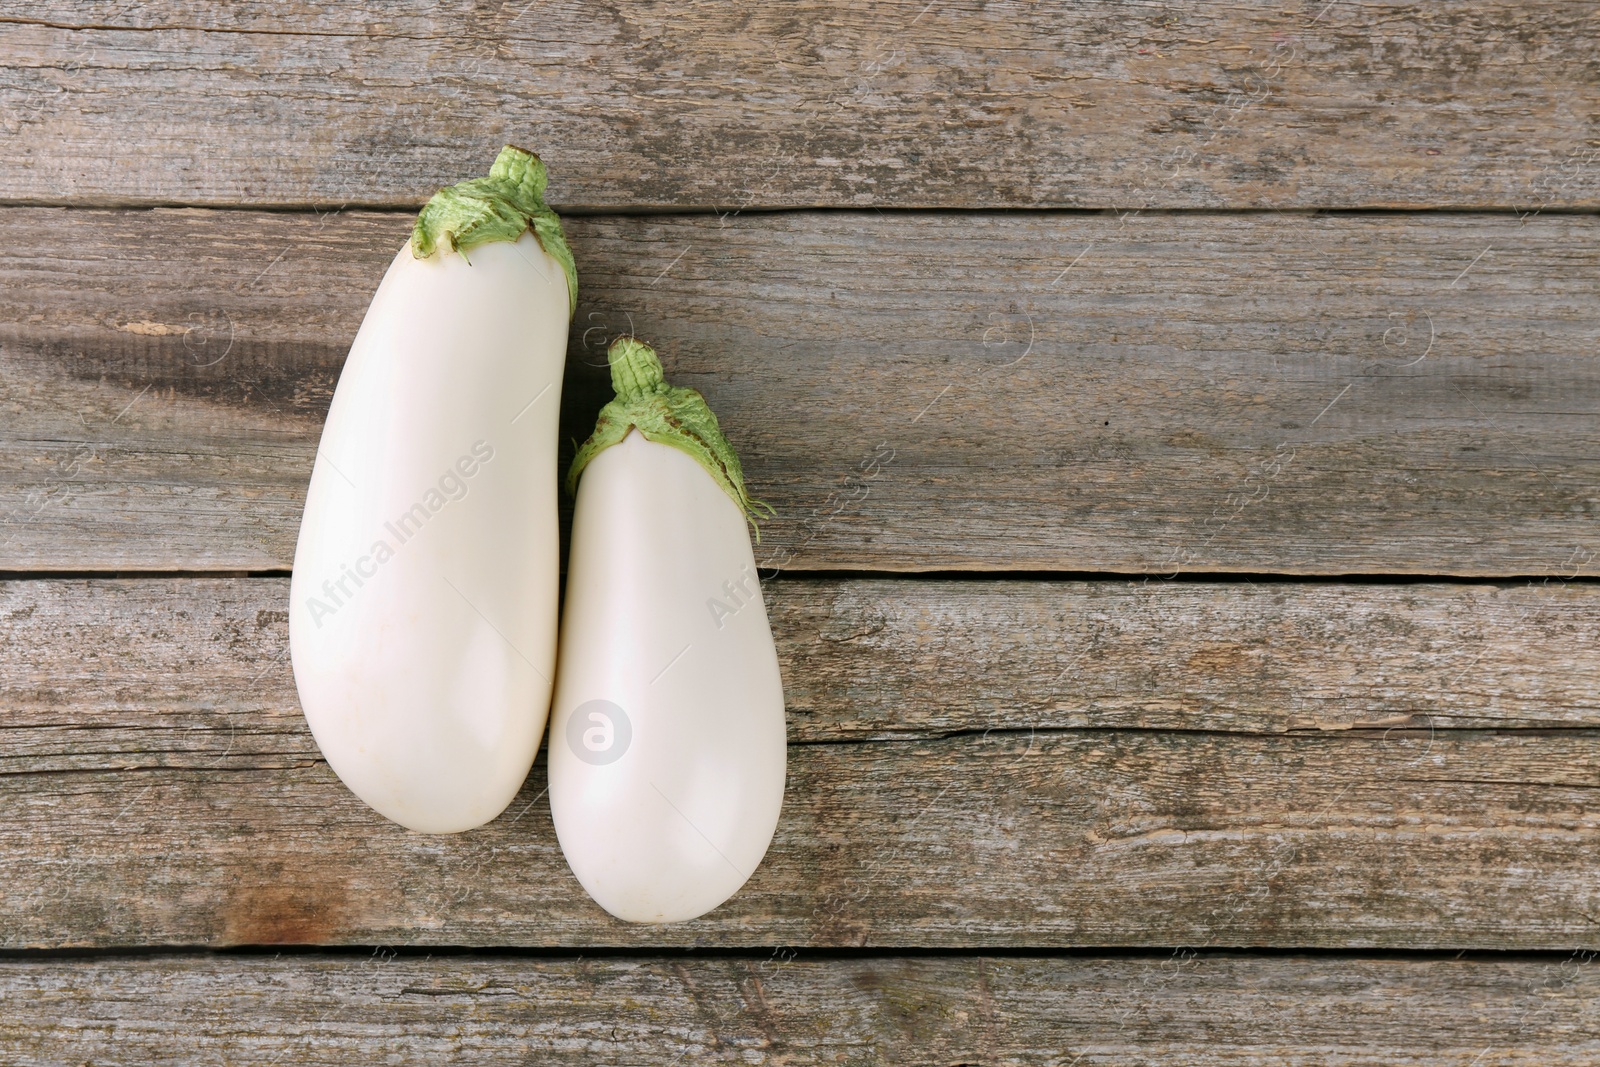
(1187, 1009)
(162, 787)
(956, 104)
(1155, 394)
(91, 667)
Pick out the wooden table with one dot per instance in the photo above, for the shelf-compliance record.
(1182, 425)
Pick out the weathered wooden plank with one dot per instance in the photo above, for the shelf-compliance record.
(1089, 838)
(99, 671)
(161, 788)
(963, 103)
(1206, 1009)
(1152, 394)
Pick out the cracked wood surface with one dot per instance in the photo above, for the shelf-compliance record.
(163, 789)
(1157, 394)
(1188, 1009)
(962, 103)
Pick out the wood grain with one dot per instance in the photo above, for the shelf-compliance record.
(1155, 394)
(162, 789)
(191, 673)
(1206, 1009)
(963, 103)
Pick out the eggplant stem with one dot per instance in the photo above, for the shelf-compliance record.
(500, 207)
(669, 415)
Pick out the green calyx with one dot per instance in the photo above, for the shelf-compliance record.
(501, 207)
(667, 414)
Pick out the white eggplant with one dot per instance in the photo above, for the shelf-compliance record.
(422, 622)
(667, 741)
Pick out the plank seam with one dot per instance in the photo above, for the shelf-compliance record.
(791, 953)
(976, 577)
(381, 207)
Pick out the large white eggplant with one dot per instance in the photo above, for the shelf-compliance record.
(422, 623)
(667, 743)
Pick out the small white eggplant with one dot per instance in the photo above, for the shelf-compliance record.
(667, 740)
(422, 622)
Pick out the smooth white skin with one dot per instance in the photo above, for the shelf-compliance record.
(676, 825)
(427, 684)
